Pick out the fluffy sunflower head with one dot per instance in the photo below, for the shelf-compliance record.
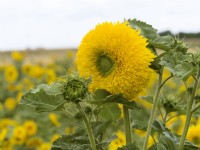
(116, 57)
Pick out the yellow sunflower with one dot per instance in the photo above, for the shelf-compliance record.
(193, 134)
(30, 127)
(116, 57)
(11, 73)
(17, 56)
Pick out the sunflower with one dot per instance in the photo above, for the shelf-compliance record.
(17, 56)
(193, 134)
(116, 57)
(11, 73)
(30, 127)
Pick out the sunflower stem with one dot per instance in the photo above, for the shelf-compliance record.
(127, 126)
(88, 127)
(189, 112)
(153, 110)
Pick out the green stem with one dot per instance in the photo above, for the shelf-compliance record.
(189, 112)
(88, 127)
(153, 110)
(127, 125)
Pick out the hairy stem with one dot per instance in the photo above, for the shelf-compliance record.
(189, 112)
(127, 124)
(88, 127)
(153, 110)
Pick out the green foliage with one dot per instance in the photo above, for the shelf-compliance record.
(80, 140)
(163, 42)
(109, 112)
(146, 30)
(45, 97)
(157, 126)
(101, 97)
(166, 143)
(181, 65)
(131, 146)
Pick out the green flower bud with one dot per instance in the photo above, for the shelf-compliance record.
(169, 104)
(180, 46)
(75, 90)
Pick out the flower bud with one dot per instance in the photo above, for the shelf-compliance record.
(75, 90)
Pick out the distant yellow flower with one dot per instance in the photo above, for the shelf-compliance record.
(19, 95)
(10, 104)
(34, 142)
(5, 123)
(31, 127)
(45, 146)
(36, 71)
(7, 145)
(70, 130)
(117, 59)
(26, 68)
(11, 74)
(3, 134)
(193, 134)
(54, 119)
(54, 137)
(17, 56)
(1, 107)
(19, 135)
(119, 142)
(70, 54)
(51, 76)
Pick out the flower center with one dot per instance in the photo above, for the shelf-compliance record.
(105, 64)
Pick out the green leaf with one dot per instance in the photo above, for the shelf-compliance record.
(140, 125)
(185, 70)
(166, 143)
(163, 42)
(146, 30)
(76, 141)
(179, 64)
(176, 138)
(131, 146)
(100, 127)
(156, 126)
(45, 97)
(110, 112)
(148, 99)
(101, 97)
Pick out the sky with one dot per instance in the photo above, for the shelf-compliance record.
(63, 23)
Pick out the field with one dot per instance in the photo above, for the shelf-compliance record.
(21, 128)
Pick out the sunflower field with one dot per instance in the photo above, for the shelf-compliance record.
(125, 88)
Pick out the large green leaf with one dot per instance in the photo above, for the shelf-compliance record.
(166, 143)
(184, 70)
(45, 97)
(101, 97)
(146, 30)
(179, 64)
(79, 141)
(110, 112)
(163, 42)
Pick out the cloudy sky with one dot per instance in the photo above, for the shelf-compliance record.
(63, 23)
